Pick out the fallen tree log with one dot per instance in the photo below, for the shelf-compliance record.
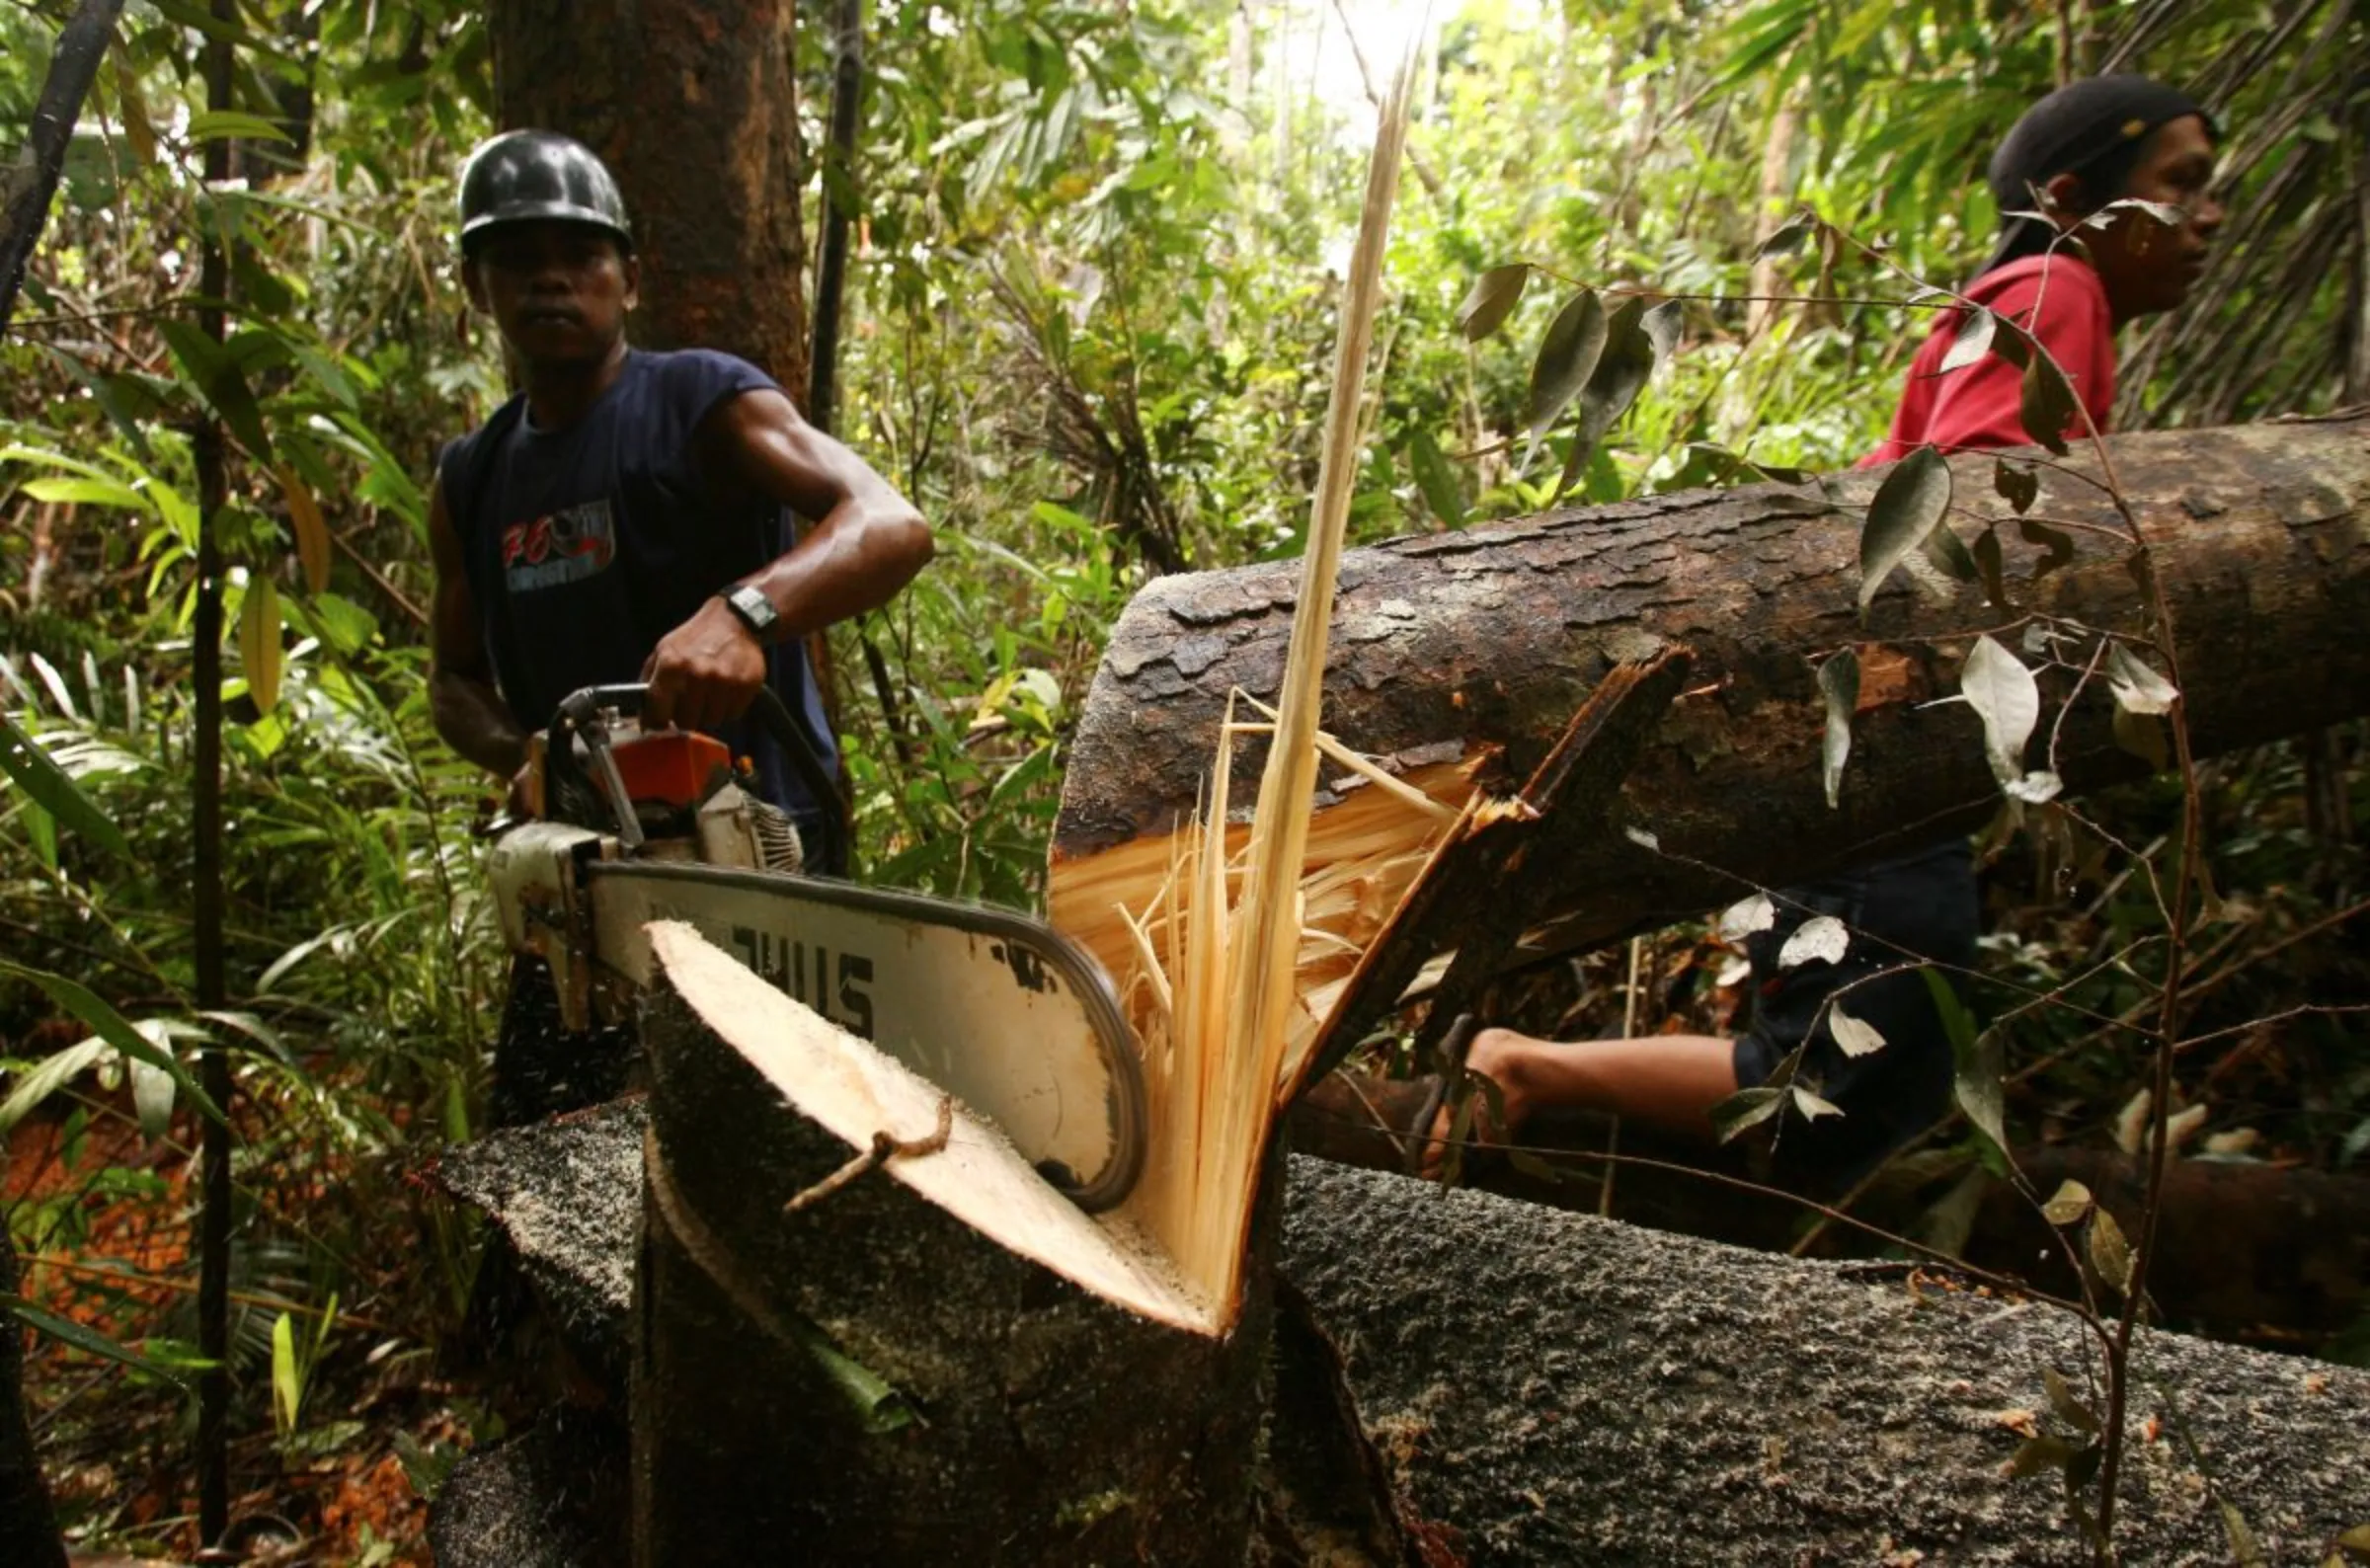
(2244, 1251)
(1549, 1388)
(1493, 637)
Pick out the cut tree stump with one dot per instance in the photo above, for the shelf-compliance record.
(1448, 642)
(1548, 1389)
(871, 1369)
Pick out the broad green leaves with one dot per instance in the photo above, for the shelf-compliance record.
(2137, 687)
(1908, 505)
(1568, 357)
(2046, 405)
(53, 790)
(2007, 698)
(1435, 480)
(2068, 1203)
(1978, 1082)
(111, 1027)
(1492, 299)
(87, 1340)
(1821, 938)
(219, 380)
(259, 642)
(1637, 338)
(312, 531)
(1853, 1037)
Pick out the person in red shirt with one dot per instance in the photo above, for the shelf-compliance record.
(2072, 266)
(2074, 155)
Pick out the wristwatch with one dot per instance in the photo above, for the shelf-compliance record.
(754, 611)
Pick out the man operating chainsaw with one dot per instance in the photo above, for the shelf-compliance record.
(629, 517)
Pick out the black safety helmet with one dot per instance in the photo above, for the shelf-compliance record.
(538, 176)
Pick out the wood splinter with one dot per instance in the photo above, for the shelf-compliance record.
(884, 1144)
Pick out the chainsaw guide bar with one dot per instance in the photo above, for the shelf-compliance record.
(1000, 1010)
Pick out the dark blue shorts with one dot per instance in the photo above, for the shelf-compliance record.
(1917, 909)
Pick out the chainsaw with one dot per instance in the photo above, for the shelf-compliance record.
(993, 1005)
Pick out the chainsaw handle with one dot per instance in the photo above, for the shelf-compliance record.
(579, 712)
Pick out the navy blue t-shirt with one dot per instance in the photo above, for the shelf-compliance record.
(585, 546)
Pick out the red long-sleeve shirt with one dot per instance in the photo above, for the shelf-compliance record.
(2057, 298)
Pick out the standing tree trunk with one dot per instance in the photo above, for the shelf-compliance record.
(693, 106)
(28, 1528)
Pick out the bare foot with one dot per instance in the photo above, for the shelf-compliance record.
(1497, 1054)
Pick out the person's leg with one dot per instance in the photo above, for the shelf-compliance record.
(1671, 1081)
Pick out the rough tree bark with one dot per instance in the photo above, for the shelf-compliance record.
(693, 106)
(854, 1374)
(1553, 1389)
(28, 1527)
(1494, 636)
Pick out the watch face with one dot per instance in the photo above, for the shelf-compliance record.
(755, 610)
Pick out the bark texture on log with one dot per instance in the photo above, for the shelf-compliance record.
(1551, 1388)
(693, 106)
(1563, 1389)
(2262, 537)
(2243, 1251)
(1040, 1424)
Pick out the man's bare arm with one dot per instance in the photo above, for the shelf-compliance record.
(468, 710)
(868, 542)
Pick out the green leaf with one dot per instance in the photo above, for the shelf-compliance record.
(1838, 686)
(1746, 1107)
(151, 1087)
(2068, 1203)
(2137, 687)
(1812, 1106)
(1491, 300)
(1568, 357)
(44, 1078)
(2069, 1409)
(1950, 560)
(2007, 700)
(259, 643)
(1533, 1166)
(2244, 1551)
(88, 493)
(288, 1388)
(311, 527)
(1853, 1036)
(2046, 405)
(2110, 1253)
(66, 1330)
(54, 790)
(110, 392)
(221, 382)
(1637, 338)
(2044, 1452)
(229, 124)
(111, 1027)
(1909, 504)
(2020, 485)
(1973, 342)
(1993, 569)
(1978, 1082)
(2143, 737)
(1787, 237)
(1436, 480)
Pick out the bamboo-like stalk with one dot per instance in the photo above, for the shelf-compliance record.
(1239, 965)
